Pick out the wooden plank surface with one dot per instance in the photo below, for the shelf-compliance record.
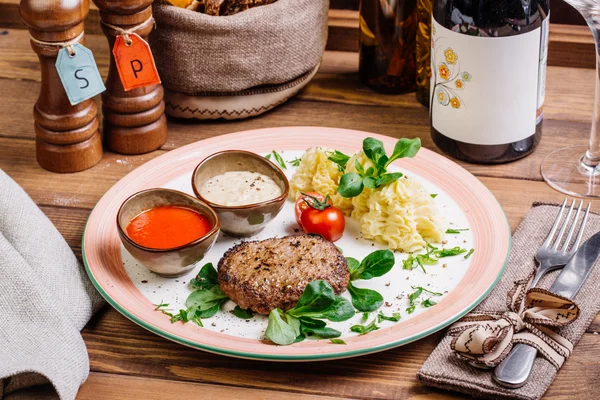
(111, 386)
(116, 346)
(334, 95)
(570, 45)
(130, 362)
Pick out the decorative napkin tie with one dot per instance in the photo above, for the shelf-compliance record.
(551, 323)
(46, 299)
(485, 339)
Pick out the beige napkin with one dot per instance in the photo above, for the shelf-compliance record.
(45, 300)
(444, 370)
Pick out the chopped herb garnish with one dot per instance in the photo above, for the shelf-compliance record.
(278, 159)
(433, 195)
(430, 257)
(455, 231)
(428, 303)
(394, 318)
(295, 162)
(364, 329)
(420, 260)
(337, 341)
(427, 291)
(418, 291)
(469, 253)
(365, 317)
(161, 305)
(352, 183)
(449, 252)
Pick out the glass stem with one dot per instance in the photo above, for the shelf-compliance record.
(592, 155)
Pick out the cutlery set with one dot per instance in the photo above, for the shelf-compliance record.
(576, 263)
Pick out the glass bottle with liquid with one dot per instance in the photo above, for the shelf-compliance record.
(488, 62)
(387, 45)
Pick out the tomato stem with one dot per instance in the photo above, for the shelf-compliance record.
(315, 202)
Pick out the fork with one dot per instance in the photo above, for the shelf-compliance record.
(550, 256)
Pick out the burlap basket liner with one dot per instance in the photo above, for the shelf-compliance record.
(272, 49)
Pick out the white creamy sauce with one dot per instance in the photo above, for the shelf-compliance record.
(236, 188)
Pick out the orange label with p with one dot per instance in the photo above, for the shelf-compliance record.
(134, 62)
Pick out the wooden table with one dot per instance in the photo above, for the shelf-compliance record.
(130, 362)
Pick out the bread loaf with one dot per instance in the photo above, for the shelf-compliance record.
(214, 7)
(219, 7)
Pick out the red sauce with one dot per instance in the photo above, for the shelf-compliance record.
(166, 227)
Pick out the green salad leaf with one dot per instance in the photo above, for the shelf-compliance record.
(206, 302)
(365, 300)
(316, 327)
(241, 313)
(317, 303)
(340, 159)
(376, 264)
(206, 278)
(282, 330)
(353, 183)
(405, 148)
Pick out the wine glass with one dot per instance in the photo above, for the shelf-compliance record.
(575, 170)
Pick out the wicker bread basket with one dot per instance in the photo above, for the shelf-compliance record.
(240, 65)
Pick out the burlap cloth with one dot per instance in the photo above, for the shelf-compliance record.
(257, 49)
(45, 300)
(444, 370)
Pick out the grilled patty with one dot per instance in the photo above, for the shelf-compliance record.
(272, 273)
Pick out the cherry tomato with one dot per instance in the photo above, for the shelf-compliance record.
(301, 204)
(329, 222)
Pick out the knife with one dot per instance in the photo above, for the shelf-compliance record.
(515, 369)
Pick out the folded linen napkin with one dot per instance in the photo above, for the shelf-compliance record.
(46, 299)
(446, 371)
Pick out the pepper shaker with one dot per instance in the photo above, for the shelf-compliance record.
(134, 120)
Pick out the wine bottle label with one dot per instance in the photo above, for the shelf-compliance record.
(484, 90)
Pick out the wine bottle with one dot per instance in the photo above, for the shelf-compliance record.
(488, 61)
(388, 30)
(423, 50)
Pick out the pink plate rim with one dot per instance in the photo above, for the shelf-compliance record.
(490, 228)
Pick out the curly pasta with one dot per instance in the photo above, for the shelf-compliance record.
(317, 174)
